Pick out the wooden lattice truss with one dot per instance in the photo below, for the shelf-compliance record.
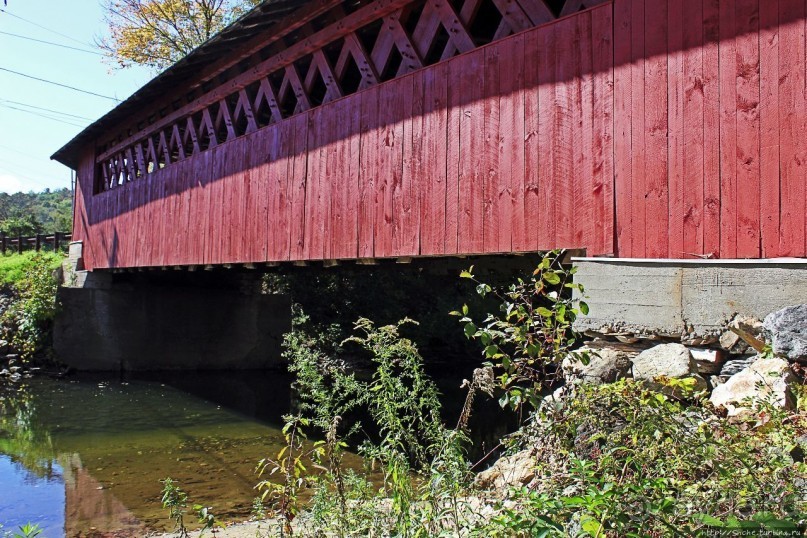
(372, 43)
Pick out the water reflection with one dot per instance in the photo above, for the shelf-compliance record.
(83, 457)
(106, 444)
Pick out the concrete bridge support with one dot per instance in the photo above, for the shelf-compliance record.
(167, 320)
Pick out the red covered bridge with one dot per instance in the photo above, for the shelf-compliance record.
(332, 129)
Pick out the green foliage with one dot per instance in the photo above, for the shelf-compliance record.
(176, 501)
(15, 267)
(424, 466)
(157, 33)
(28, 531)
(207, 519)
(29, 317)
(401, 399)
(625, 460)
(36, 212)
(532, 333)
(289, 463)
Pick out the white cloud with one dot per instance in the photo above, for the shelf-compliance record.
(10, 183)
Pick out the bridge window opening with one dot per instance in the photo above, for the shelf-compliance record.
(485, 23)
(393, 64)
(369, 34)
(288, 101)
(351, 77)
(438, 45)
(412, 18)
(317, 89)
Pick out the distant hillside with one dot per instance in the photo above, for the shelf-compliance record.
(36, 212)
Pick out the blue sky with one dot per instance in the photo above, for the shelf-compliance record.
(27, 140)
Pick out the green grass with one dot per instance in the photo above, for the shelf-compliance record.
(14, 266)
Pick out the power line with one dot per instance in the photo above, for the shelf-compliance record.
(43, 27)
(52, 118)
(52, 43)
(46, 109)
(59, 84)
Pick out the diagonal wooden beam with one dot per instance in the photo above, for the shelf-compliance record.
(467, 14)
(190, 131)
(225, 116)
(514, 15)
(293, 79)
(244, 107)
(411, 59)
(353, 48)
(164, 148)
(267, 94)
(130, 165)
(141, 160)
(207, 124)
(176, 139)
(455, 27)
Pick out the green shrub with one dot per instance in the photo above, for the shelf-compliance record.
(28, 319)
(624, 460)
(14, 267)
(532, 333)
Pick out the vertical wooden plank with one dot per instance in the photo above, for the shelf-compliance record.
(352, 185)
(584, 189)
(547, 126)
(299, 129)
(433, 160)
(693, 128)
(470, 232)
(535, 58)
(711, 128)
(603, 164)
(769, 125)
(390, 165)
(328, 173)
(513, 233)
(676, 80)
(405, 198)
(637, 117)
(748, 136)
(339, 179)
(455, 95)
(623, 136)
(567, 79)
(368, 171)
(728, 130)
(491, 178)
(275, 178)
(252, 177)
(314, 217)
(792, 118)
(656, 130)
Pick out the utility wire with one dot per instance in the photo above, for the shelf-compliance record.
(52, 43)
(46, 109)
(43, 27)
(46, 116)
(60, 84)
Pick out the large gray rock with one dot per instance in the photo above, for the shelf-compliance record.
(765, 380)
(606, 365)
(787, 330)
(509, 471)
(668, 360)
(673, 361)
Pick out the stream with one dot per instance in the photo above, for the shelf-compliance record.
(84, 456)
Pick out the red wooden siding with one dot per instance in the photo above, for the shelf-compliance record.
(709, 120)
(424, 164)
(638, 128)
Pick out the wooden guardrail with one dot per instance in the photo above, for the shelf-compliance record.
(20, 243)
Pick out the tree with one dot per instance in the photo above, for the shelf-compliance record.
(157, 33)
